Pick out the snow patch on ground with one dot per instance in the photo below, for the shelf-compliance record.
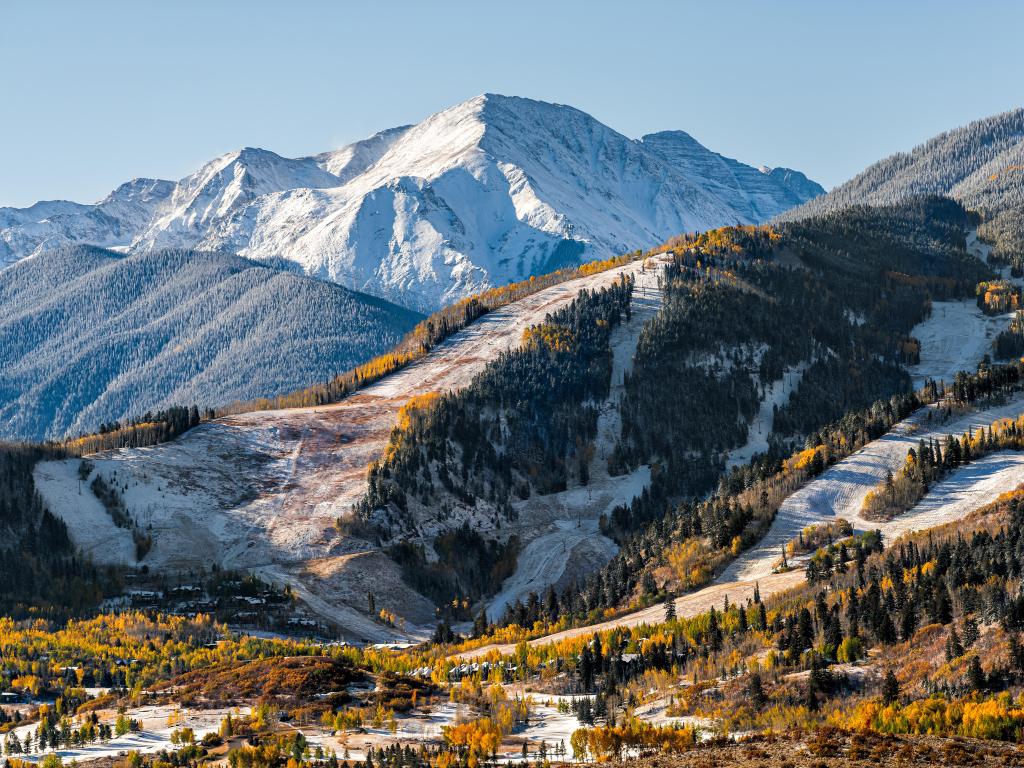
(978, 248)
(96, 535)
(543, 561)
(954, 338)
(154, 736)
(546, 725)
(776, 396)
(958, 335)
(960, 493)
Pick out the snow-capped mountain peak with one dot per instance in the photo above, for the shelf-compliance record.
(226, 185)
(493, 189)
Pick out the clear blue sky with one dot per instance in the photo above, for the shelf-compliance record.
(94, 93)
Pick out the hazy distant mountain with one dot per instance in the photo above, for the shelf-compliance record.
(89, 336)
(491, 190)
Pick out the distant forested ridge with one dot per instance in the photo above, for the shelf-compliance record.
(980, 164)
(89, 337)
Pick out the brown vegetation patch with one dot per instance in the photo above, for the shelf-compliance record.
(288, 681)
(834, 748)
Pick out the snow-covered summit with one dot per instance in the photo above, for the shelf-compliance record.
(487, 191)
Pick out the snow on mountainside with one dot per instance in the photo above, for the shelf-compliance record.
(488, 191)
(765, 191)
(203, 202)
(348, 162)
(114, 221)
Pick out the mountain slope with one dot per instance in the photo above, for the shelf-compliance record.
(488, 191)
(764, 191)
(90, 336)
(551, 451)
(117, 220)
(980, 164)
(513, 453)
(264, 490)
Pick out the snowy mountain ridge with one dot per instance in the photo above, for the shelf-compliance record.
(491, 190)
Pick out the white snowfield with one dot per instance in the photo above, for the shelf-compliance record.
(154, 736)
(957, 335)
(490, 190)
(261, 491)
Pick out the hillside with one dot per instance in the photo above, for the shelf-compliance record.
(980, 164)
(542, 488)
(835, 495)
(89, 336)
(486, 192)
(264, 490)
(500, 454)
(524, 450)
(41, 569)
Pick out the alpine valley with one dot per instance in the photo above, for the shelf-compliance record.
(506, 439)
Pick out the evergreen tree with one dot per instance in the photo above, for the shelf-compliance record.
(755, 690)
(714, 632)
(975, 675)
(890, 688)
(954, 649)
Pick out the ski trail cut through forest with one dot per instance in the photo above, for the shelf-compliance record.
(957, 334)
(839, 493)
(571, 535)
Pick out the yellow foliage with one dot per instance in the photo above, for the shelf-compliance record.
(476, 739)
(552, 338)
(689, 560)
(803, 459)
(415, 405)
(994, 718)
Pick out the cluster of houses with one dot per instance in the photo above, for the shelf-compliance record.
(237, 604)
